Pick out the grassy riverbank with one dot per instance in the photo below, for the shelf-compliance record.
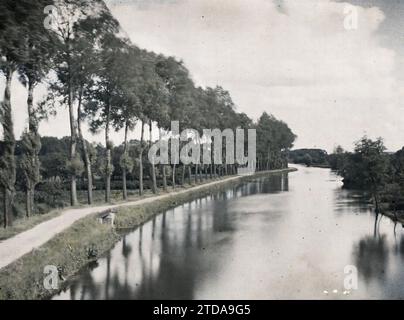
(87, 239)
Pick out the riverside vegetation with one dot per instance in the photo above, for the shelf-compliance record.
(370, 168)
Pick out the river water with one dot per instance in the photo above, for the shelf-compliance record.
(288, 236)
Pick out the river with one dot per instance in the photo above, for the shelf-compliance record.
(288, 236)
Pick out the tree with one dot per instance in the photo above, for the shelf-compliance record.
(337, 159)
(33, 67)
(394, 188)
(179, 92)
(157, 111)
(126, 162)
(105, 97)
(273, 136)
(307, 160)
(141, 148)
(226, 114)
(128, 115)
(71, 14)
(30, 164)
(373, 164)
(153, 101)
(318, 157)
(13, 23)
(90, 33)
(397, 164)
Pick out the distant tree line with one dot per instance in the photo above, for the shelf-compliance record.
(309, 157)
(109, 83)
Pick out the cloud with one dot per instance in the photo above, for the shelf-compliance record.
(330, 84)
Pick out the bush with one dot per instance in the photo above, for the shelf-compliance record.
(75, 166)
(52, 189)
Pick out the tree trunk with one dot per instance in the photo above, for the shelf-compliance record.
(33, 154)
(108, 177)
(108, 159)
(141, 161)
(5, 209)
(183, 175)
(125, 154)
(32, 194)
(173, 175)
(29, 200)
(73, 139)
(189, 174)
(124, 189)
(377, 208)
(28, 206)
(87, 162)
(153, 168)
(8, 200)
(30, 101)
(269, 159)
(8, 158)
(375, 225)
(164, 177)
(201, 173)
(163, 170)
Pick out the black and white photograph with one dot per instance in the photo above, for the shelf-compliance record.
(201, 150)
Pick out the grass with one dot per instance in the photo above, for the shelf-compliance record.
(24, 224)
(69, 251)
(85, 241)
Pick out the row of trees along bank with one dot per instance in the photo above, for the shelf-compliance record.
(107, 83)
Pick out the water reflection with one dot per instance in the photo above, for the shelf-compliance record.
(371, 256)
(286, 237)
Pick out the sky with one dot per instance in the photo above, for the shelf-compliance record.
(304, 61)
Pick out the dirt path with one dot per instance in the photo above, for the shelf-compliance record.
(15, 247)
